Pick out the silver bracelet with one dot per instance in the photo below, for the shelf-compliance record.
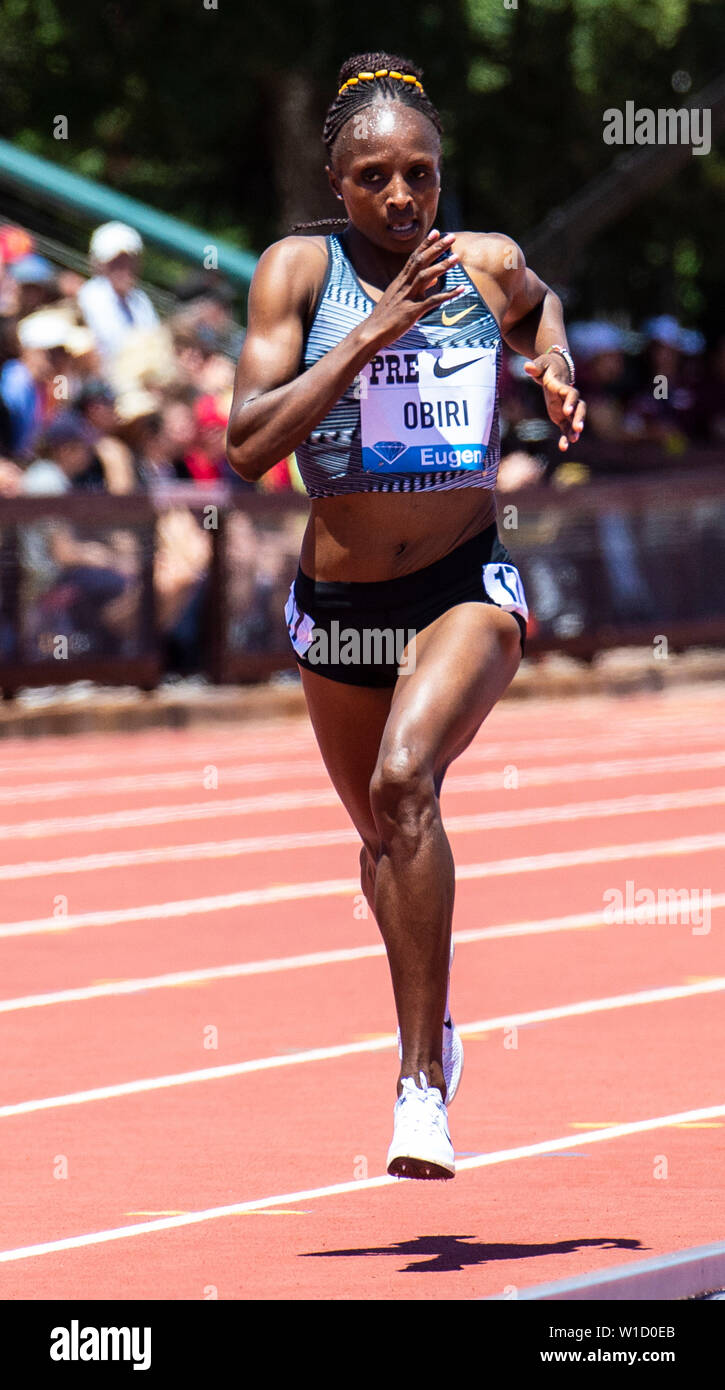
(565, 353)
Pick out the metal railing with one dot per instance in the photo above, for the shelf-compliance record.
(605, 564)
(53, 185)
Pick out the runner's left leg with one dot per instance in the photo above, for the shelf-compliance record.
(463, 663)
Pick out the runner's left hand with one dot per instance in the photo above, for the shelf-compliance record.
(563, 402)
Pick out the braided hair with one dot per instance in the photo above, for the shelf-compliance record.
(365, 79)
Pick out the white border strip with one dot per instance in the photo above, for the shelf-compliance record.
(682, 1274)
(195, 1218)
(380, 1044)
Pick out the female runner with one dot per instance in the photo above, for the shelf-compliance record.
(375, 354)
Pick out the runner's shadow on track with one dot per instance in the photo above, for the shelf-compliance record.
(450, 1253)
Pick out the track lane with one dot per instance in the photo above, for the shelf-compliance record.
(509, 1100)
(152, 1146)
(155, 1032)
(86, 955)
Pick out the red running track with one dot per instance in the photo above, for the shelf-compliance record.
(198, 1018)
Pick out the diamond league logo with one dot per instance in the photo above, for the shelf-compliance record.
(389, 449)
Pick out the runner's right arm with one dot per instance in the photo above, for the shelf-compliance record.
(275, 406)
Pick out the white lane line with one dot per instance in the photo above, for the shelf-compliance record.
(169, 854)
(289, 1199)
(210, 809)
(343, 955)
(250, 898)
(155, 751)
(542, 775)
(325, 888)
(381, 1044)
(214, 808)
(193, 778)
(218, 747)
(91, 863)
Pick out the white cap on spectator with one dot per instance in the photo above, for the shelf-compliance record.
(114, 239)
(47, 329)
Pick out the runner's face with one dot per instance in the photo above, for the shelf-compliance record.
(386, 168)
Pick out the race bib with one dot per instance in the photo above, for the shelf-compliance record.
(427, 411)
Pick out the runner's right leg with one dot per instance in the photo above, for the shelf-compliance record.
(348, 723)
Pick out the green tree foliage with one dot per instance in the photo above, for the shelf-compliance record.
(212, 110)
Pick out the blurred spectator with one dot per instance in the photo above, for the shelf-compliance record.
(26, 372)
(602, 376)
(69, 283)
(180, 427)
(663, 410)
(36, 282)
(143, 430)
(111, 303)
(518, 470)
(208, 298)
(181, 569)
(15, 243)
(708, 414)
(525, 426)
(76, 586)
(206, 462)
(212, 418)
(6, 423)
(145, 362)
(78, 359)
(66, 449)
(283, 477)
(11, 478)
(200, 358)
(112, 462)
(261, 563)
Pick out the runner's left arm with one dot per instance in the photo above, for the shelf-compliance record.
(532, 321)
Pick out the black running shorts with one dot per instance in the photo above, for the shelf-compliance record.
(363, 634)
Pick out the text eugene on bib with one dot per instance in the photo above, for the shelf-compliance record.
(427, 410)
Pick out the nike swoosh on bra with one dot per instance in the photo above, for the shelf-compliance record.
(439, 371)
(449, 322)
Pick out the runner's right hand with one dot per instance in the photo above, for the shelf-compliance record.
(406, 299)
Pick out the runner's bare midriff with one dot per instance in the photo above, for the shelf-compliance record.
(373, 536)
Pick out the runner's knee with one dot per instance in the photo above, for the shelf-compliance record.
(402, 794)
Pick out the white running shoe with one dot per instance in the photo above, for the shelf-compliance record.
(421, 1146)
(452, 1055)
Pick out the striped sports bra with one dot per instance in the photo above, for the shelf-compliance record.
(423, 414)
